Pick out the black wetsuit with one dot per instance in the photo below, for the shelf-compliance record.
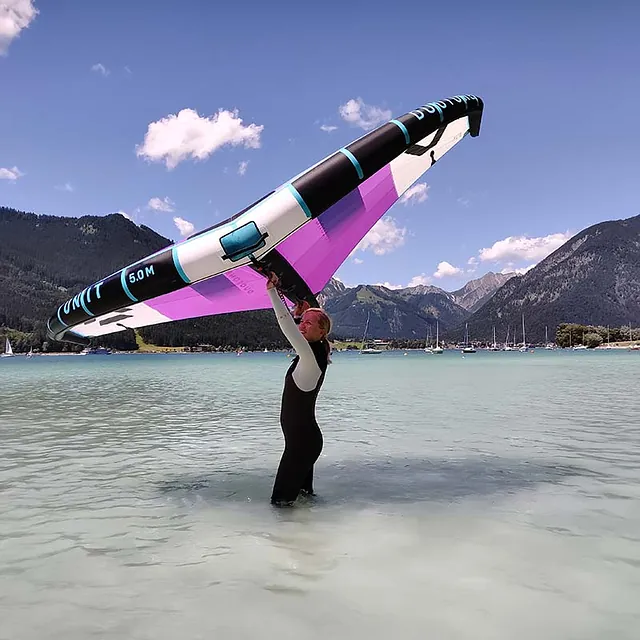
(302, 435)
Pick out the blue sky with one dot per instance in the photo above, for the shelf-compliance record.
(83, 81)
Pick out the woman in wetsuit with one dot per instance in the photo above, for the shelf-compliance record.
(302, 436)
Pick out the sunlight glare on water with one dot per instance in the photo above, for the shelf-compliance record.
(491, 496)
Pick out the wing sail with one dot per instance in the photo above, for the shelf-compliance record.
(317, 250)
(303, 231)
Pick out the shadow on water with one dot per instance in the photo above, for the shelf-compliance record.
(390, 480)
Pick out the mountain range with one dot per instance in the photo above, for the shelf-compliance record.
(594, 278)
(405, 313)
(476, 292)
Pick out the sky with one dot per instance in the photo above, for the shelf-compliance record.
(180, 114)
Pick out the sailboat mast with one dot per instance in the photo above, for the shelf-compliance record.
(366, 328)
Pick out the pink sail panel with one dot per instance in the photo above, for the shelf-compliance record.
(239, 290)
(318, 249)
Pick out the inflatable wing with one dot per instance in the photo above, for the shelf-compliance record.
(303, 231)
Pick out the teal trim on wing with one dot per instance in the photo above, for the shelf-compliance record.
(403, 129)
(439, 108)
(84, 306)
(354, 162)
(177, 265)
(125, 286)
(64, 324)
(301, 202)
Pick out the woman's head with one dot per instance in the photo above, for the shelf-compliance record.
(315, 324)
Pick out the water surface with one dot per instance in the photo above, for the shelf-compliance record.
(491, 496)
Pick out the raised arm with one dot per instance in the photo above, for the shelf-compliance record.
(307, 372)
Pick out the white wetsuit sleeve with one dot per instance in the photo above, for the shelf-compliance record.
(307, 372)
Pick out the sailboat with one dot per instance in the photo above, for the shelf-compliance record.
(523, 348)
(368, 350)
(495, 346)
(632, 347)
(8, 351)
(580, 347)
(547, 345)
(437, 349)
(507, 346)
(467, 347)
(30, 354)
(608, 339)
(427, 342)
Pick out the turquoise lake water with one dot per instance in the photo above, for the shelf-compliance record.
(487, 497)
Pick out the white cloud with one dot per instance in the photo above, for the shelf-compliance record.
(15, 15)
(187, 134)
(516, 248)
(416, 281)
(415, 194)
(384, 237)
(100, 68)
(166, 204)
(128, 71)
(328, 128)
(446, 270)
(65, 187)
(184, 226)
(521, 271)
(473, 261)
(10, 174)
(242, 167)
(357, 261)
(362, 115)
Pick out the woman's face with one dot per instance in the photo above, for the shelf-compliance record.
(311, 326)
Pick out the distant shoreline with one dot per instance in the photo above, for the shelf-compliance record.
(619, 346)
(144, 353)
